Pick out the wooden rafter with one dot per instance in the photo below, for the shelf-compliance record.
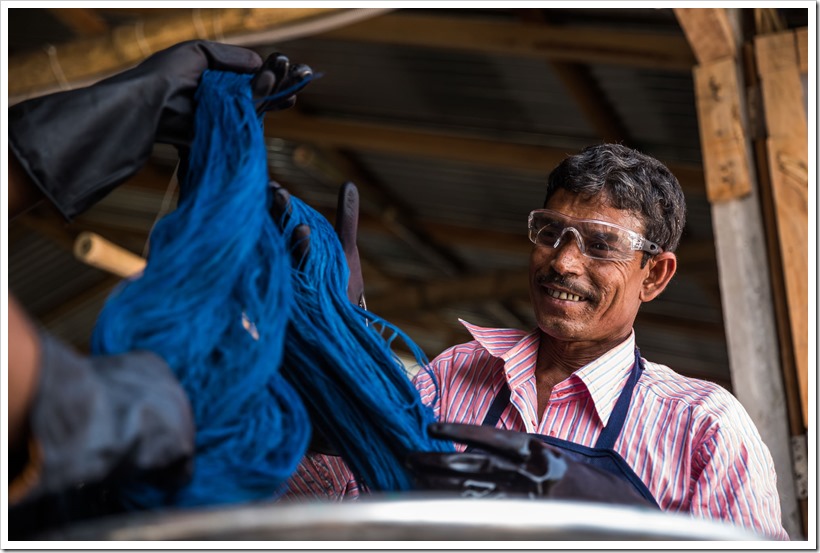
(391, 139)
(581, 87)
(658, 51)
(93, 57)
(84, 22)
(393, 213)
(708, 31)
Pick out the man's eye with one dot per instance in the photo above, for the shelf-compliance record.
(600, 246)
(549, 232)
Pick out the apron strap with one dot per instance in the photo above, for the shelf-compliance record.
(498, 405)
(616, 420)
(613, 428)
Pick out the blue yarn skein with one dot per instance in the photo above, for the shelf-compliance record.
(355, 387)
(217, 272)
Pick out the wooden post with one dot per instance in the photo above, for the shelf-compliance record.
(746, 292)
(787, 149)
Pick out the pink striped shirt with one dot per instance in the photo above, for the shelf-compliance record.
(322, 476)
(690, 441)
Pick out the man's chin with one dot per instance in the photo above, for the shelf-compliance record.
(561, 330)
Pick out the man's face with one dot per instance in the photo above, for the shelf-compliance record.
(601, 297)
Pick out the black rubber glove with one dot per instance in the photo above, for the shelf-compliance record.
(513, 464)
(347, 225)
(347, 220)
(277, 76)
(78, 145)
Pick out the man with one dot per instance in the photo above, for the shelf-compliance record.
(77, 423)
(602, 245)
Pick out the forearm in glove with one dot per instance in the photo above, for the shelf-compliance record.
(79, 144)
(513, 464)
(99, 417)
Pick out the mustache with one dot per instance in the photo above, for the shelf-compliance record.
(552, 277)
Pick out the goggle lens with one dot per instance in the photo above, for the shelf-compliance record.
(595, 239)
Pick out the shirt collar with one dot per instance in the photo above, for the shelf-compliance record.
(604, 377)
(497, 341)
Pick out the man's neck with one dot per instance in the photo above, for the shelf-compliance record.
(558, 359)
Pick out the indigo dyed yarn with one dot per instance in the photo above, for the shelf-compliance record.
(214, 301)
(222, 303)
(355, 387)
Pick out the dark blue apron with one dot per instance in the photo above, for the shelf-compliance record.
(602, 456)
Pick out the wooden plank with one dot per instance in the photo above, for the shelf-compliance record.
(768, 20)
(781, 308)
(789, 173)
(723, 135)
(787, 146)
(708, 31)
(802, 35)
(751, 332)
(404, 141)
(781, 86)
(126, 45)
(575, 44)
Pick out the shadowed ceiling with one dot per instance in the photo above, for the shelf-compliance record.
(448, 120)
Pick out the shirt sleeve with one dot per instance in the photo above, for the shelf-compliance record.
(428, 382)
(321, 476)
(92, 415)
(734, 477)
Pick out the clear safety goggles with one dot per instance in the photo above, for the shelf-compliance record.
(596, 239)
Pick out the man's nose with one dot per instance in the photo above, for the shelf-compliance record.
(568, 253)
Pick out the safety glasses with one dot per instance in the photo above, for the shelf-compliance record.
(596, 239)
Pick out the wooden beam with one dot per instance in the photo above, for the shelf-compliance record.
(404, 141)
(708, 31)
(781, 308)
(591, 100)
(331, 165)
(501, 286)
(723, 134)
(692, 254)
(83, 21)
(575, 44)
(787, 146)
(768, 20)
(433, 295)
(91, 58)
(751, 333)
(802, 35)
(581, 87)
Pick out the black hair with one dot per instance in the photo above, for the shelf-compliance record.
(629, 180)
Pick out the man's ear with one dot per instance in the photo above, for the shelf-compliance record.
(661, 270)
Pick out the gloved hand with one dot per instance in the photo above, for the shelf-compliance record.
(79, 144)
(347, 220)
(277, 76)
(347, 225)
(513, 464)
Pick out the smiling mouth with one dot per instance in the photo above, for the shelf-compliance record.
(559, 295)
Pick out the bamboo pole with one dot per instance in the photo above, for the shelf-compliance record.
(65, 65)
(92, 249)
